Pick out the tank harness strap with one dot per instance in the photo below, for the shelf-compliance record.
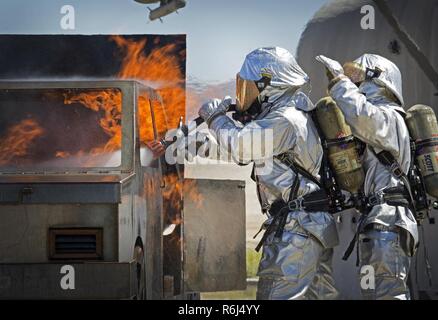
(339, 141)
(386, 158)
(259, 197)
(355, 241)
(314, 202)
(280, 210)
(396, 196)
(297, 169)
(284, 212)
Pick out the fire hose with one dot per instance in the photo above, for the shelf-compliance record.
(185, 129)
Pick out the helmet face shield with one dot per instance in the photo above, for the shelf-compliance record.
(246, 93)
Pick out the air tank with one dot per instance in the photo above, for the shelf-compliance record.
(423, 127)
(342, 149)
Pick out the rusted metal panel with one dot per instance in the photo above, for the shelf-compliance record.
(214, 235)
(125, 202)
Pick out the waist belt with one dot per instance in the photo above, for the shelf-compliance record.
(381, 227)
(395, 196)
(314, 202)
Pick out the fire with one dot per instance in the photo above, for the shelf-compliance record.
(173, 193)
(62, 154)
(191, 191)
(18, 140)
(110, 103)
(161, 70)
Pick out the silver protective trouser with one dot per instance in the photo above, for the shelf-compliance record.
(297, 267)
(382, 251)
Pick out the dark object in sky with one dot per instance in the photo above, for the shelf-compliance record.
(166, 7)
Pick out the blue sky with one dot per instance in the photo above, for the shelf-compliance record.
(219, 32)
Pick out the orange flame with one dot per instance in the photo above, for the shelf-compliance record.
(174, 191)
(110, 102)
(18, 139)
(62, 154)
(161, 70)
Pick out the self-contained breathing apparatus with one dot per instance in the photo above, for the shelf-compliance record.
(414, 189)
(420, 180)
(341, 167)
(423, 129)
(340, 170)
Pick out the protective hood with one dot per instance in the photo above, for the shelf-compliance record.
(376, 94)
(276, 63)
(390, 78)
(303, 102)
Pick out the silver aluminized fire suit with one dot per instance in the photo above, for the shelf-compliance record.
(298, 266)
(374, 112)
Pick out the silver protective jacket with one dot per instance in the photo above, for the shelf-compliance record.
(293, 132)
(374, 119)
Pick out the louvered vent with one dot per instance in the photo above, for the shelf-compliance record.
(75, 244)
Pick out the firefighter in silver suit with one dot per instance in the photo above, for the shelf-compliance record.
(297, 256)
(369, 93)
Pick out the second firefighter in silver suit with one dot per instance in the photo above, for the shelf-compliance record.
(298, 265)
(369, 93)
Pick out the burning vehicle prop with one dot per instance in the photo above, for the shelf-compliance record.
(89, 208)
(86, 206)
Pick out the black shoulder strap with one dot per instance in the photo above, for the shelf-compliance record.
(295, 167)
(387, 159)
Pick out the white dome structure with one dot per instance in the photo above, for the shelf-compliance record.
(335, 31)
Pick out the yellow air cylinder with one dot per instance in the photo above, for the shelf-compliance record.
(342, 149)
(423, 128)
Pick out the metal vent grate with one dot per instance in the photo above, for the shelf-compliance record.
(75, 243)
